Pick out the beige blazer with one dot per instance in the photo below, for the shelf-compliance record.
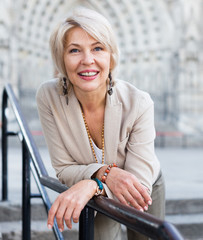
(128, 132)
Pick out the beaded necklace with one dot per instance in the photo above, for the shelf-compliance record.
(90, 140)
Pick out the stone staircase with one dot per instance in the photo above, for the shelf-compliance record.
(187, 215)
(11, 224)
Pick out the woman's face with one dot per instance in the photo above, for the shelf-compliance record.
(87, 61)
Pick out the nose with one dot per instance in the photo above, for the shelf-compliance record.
(87, 58)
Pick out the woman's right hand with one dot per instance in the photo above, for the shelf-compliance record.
(127, 188)
(69, 204)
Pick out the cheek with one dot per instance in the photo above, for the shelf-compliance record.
(70, 65)
(106, 62)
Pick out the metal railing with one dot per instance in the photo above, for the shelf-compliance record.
(32, 162)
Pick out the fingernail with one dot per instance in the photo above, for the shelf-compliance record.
(49, 226)
(60, 230)
(150, 202)
(141, 210)
(145, 208)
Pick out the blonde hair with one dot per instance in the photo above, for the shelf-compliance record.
(94, 24)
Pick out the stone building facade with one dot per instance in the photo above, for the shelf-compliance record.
(161, 52)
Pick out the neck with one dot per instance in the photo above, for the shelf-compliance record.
(91, 102)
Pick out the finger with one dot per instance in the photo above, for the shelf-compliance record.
(133, 201)
(51, 214)
(149, 201)
(76, 213)
(122, 199)
(144, 194)
(60, 215)
(138, 198)
(67, 217)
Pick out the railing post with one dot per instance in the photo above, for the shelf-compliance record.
(26, 233)
(86, 224)
(4, 146)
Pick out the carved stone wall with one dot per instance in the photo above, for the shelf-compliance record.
(160, 43)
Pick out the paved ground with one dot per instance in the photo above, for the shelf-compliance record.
(182, 168)
(183, 171)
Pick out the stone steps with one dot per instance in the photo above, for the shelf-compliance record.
(39, 231)
(189, 225)
(11, 224)
(184, 206)
(186, 215)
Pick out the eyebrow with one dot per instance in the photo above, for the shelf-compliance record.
(78, 45)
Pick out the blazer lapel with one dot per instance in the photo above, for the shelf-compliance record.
(76, 123)
(112, 122)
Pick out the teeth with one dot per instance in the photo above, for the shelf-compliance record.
(88, 74)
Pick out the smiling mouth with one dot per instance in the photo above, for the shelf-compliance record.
(88, 74)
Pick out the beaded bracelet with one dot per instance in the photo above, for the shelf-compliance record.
(100, 187)
(103, 179)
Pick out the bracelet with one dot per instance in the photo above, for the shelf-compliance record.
(103, 179)
(100, 187)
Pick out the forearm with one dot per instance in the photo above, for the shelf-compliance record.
(72, 174)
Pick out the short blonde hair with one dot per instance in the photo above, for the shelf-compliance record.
(94, 24)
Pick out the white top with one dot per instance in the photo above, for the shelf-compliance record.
(98, 152)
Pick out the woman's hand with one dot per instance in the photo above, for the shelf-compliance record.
(127, 188)
(70, 203)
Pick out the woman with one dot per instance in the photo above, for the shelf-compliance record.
(99, 131)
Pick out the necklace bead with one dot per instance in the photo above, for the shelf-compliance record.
(90, 139)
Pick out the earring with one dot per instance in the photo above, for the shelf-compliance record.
(110, 91)
(65, 90)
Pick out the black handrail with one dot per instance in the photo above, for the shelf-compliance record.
(31, 162)
(132, 218)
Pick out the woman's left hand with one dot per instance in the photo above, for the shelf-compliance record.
(127, 188)
(70, 203)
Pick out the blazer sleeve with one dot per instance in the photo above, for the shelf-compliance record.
(141, 159)
(67, 169)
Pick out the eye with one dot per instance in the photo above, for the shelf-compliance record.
(98, 49)
(74, 50)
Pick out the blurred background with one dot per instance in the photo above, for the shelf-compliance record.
(161, 46)
(161, 52)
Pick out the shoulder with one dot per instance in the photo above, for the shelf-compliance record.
(132, 97)
(49, 88)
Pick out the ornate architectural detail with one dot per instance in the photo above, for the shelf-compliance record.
(160, 43)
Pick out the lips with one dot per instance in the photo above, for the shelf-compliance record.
(88, 74)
